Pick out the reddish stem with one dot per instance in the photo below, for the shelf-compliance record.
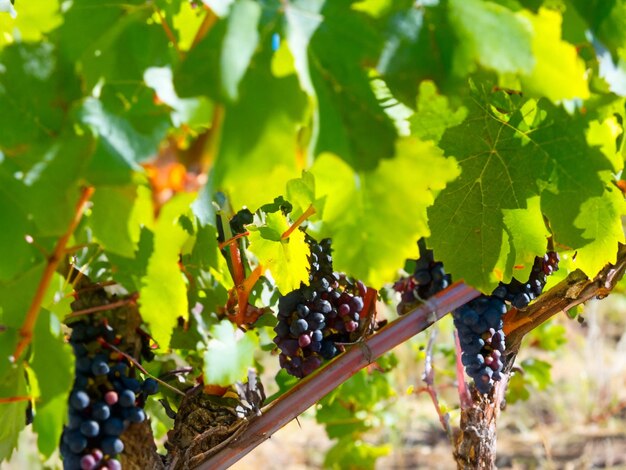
(14, 399)
(243, 293)
(235, 258)
(465, 398)
(207, 23)
(26, 332)
(233, 239)
(312, 388)
(168, 31)
(299, 221)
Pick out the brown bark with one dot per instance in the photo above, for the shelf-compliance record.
(475, 442)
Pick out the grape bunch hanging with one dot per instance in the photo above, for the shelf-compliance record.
(428, 278)
(314, 320)
(104, 400)
(479, 322)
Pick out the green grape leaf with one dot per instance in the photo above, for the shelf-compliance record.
(558, 73)
(420, 45)
(15, 252)
(53, 364)
(434, 114)
(17, 296)
(30, 118)
(186, 22)
(117, 45)
(130, 207)
(286, 259)
(53, 360)
(493, 36)
(607, 20)
(524, 227)
(359, 396)
(118, 135)
(372, 233)
(600, 220)
(349, 452)
(302, 18)
(258, 144)
(48, 190)
(362, 134)
(163, 294)
(48, 425)
(301, 194)
(240, 41)
(33, 22)
(512, 149)
(229, 354)
(194, 112)
(12, 385)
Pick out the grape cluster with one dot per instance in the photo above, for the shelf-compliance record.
(479, 322)
(104, 400)
(479, 325)
(519, 294)
(427, 279)
(313, 320)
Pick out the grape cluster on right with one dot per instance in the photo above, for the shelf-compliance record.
(479, 326)
(479, 322)
(104, 400)
(314, 320)
(520, 294)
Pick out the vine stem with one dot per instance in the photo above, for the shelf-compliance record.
(233, 239)
(26, 332)
(305, 215)
(139, 366)
(168, 32)
(314, 387)
(103, 308)
(14, 399)
(207, 23)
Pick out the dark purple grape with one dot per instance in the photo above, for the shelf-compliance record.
(113, 427)
(150, 386)
(127, 398)
(90, 428)
(112, 446)
(79, 400)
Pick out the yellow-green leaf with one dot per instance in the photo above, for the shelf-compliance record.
(163, 295)
(286, 259)
(559, 73)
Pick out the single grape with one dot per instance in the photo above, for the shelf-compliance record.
(150, 386)
(111, 397)
(79, 400)
(99, 367)
(90, 428)
(88, 462)
(112, 446)
(100, 411)
(114, 464)
(113, 427)
(127, 398)
(136, 415)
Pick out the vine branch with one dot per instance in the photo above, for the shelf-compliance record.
(574, 290)
(26, 332)
(314, 387)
